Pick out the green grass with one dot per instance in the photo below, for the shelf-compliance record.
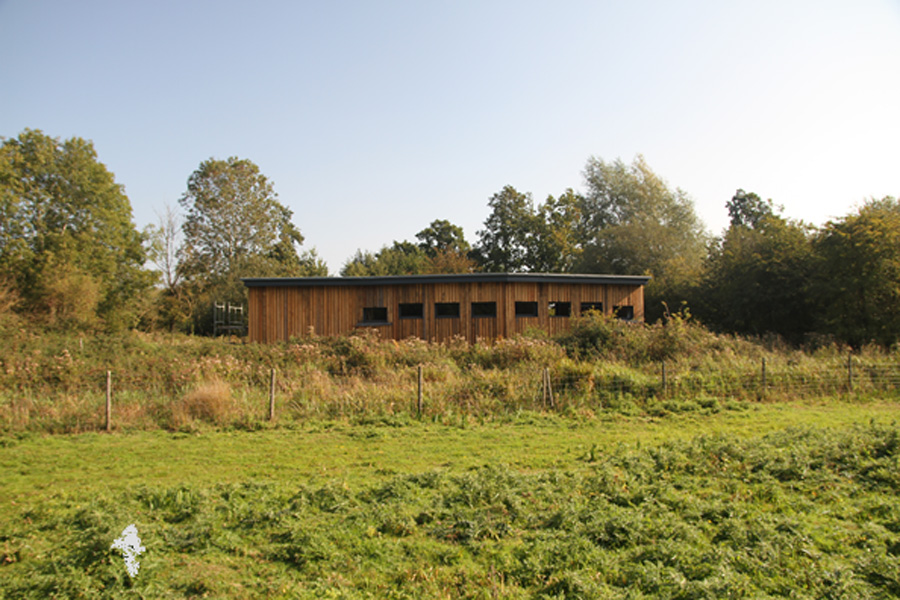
(749, 500)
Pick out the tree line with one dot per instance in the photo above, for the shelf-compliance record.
(71, 256)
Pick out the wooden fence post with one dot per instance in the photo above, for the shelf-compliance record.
(764, 376)
(109, 401)
(850, 371)
(419, 396)
(544, 387)
(272, 396)
(665, 382)
(549, 388)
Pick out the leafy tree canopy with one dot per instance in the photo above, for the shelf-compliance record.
(858, 281)
(749, 210)
(556, 244)
(234, 225)
(401, 258)
(67, 239)
(442, 236)
(406, 258)
(505, 242)
(633, 223)
(758, 277)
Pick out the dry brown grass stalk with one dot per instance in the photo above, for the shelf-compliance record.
(210, 402)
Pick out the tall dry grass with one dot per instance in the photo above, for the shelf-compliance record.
(209, 402)
(53, 381)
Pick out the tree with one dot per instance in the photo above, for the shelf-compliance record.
(235, 227)
(758, 278)
(402, 258)
(505, 242)
(442, 236)
(442, 248)
(858, 282)
(451, 261)
(555, 245)
(446, 247)
(749, 210)
(165, 246)
(234, 224)
(67, 239)
(633, 223)
(311, 265)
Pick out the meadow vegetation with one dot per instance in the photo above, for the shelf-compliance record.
(539, 507)
(54, 381)
(755, 470)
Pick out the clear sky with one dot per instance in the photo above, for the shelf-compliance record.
(374, 118)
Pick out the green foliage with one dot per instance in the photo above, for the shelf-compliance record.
(800, 512)
(235, 227)
(68, 245)
(234, 223)
(602, 336)
(402, 258)
(443, 236)
(633, 223)
(859, 270)
(504, 243)
(758, 278)
(556, 244)
(749, 210)
(442, 249)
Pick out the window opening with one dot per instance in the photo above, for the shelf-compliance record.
(375, 314)
(446, 310)
(587, 307)
(526, 309)
(625, 312)
(560, 309)
(414, 310)
(484, 309)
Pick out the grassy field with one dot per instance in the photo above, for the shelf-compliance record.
(738, 500)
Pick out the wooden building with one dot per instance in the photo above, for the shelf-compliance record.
(436, 307)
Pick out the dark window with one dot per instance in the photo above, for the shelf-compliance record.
(446, 310)
(526, 309)
(560, 309)
(412, 311)
(626, 313)
(375, 314)
(484, 309)
(587, 307)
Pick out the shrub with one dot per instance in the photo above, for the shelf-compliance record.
(9, 297)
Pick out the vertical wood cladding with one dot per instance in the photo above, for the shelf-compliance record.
(284, 311)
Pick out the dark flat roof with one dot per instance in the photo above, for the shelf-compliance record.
(451, 278)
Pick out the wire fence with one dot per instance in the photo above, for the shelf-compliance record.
(254, 392)
(427, 390)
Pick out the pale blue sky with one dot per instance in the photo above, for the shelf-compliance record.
(375, 118)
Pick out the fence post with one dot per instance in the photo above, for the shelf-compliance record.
(764, 376)
(272, 395)
(850, 371)
(548, 389)
(419, 396)
(544, 387)
(665, 382)
(109, 401)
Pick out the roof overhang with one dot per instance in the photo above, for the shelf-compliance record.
(576, 278)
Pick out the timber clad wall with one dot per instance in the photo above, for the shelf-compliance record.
(281, 309)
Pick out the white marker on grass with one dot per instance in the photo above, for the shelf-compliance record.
(130, 545)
